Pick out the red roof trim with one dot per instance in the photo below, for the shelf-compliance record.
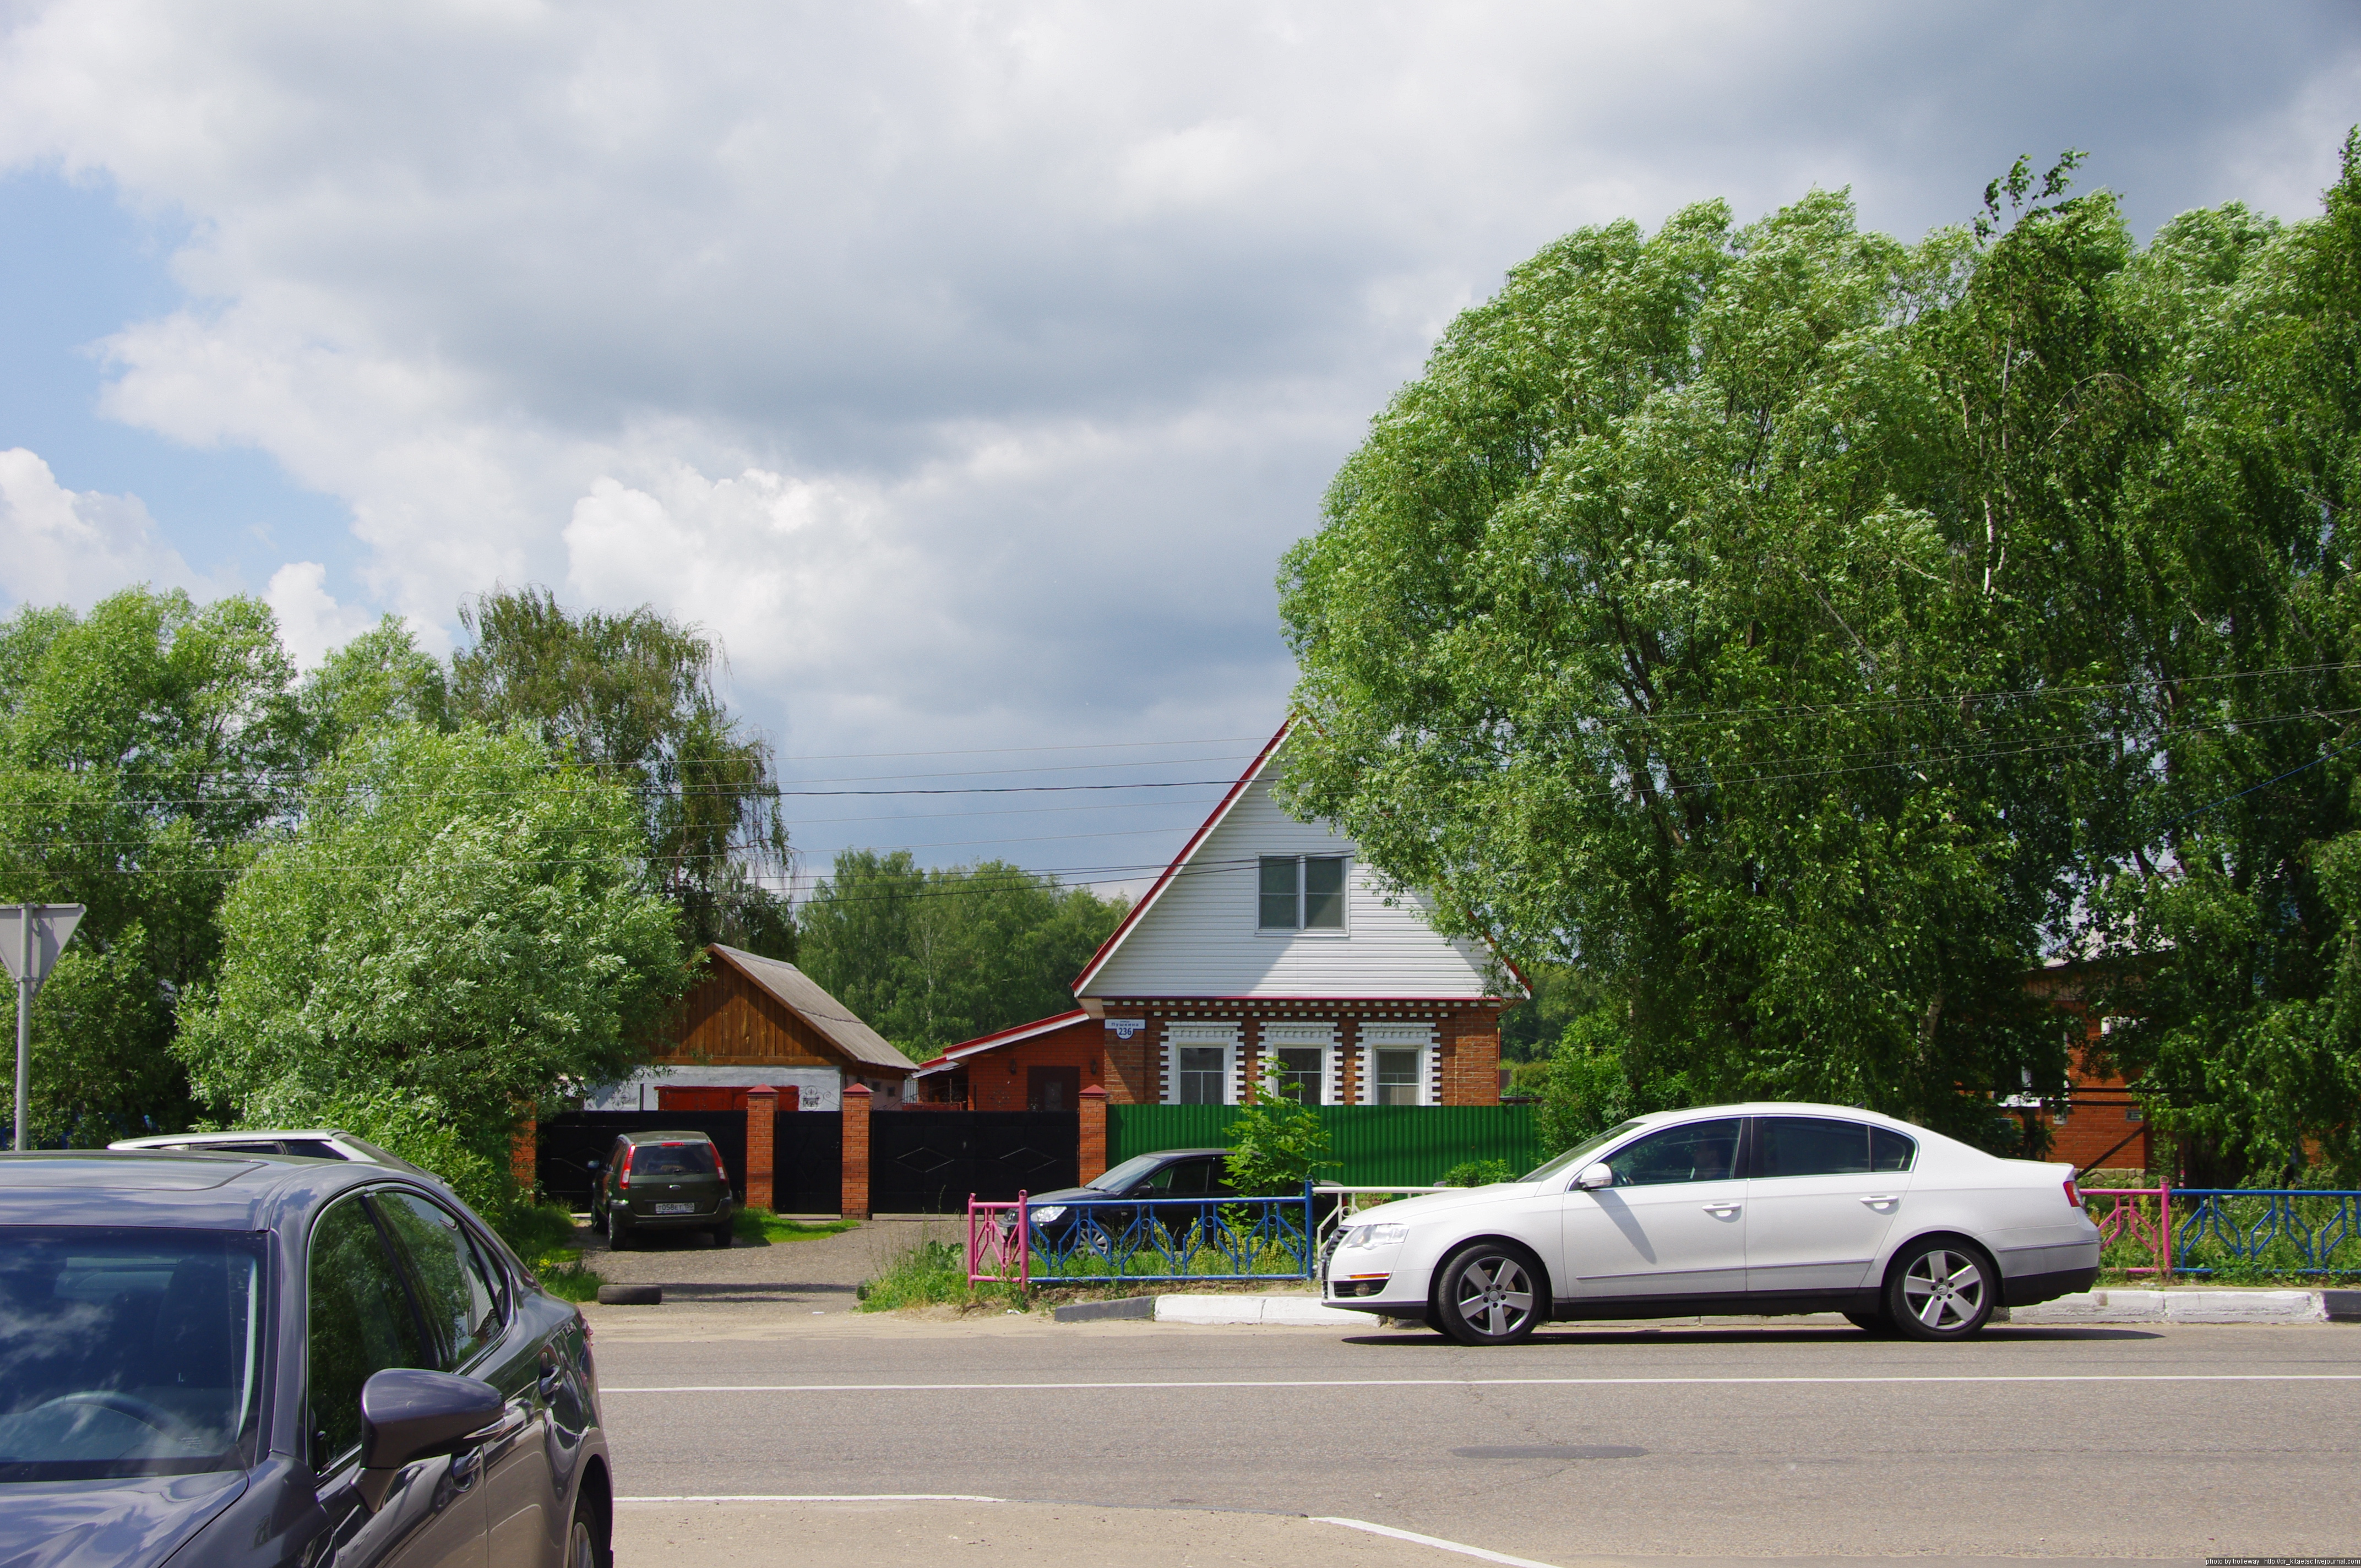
(953, 1054)
(1107, 947)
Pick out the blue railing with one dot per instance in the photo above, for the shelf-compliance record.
(2276, 1230)
(1129, 1239)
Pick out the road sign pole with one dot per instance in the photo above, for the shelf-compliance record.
(24, 1021)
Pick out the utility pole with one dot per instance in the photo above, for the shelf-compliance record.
(31, 938)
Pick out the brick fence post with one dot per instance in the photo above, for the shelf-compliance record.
(1095, 1130)
(855, 1177)
(762, 1126)
(524, 1150)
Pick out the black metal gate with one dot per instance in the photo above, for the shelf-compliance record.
(927, 1162)
(807, 1152)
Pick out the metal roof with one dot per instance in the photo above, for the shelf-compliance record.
(803, 996)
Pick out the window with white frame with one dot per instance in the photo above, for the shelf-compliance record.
(1200, 1064)
(1397, 1065)
(1301, 893)
(1302, 1055)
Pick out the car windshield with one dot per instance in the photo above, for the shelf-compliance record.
(672, 1159)
(1579, 1152)
(1124, 1175)
(126, 1352)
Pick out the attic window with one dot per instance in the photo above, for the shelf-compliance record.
(1302, 892)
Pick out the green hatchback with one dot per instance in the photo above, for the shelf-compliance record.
(662, 1181)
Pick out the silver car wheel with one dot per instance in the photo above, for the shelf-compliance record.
(1943, 1291)
(581, 1551)
(1495, 1296)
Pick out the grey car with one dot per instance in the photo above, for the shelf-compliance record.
(222, 1361)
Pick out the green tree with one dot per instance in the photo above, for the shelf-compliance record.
(461, 920)
(1645, 628)
(933, 957)
(382, 678)
(141, 746)
(1277, 1143)
(632, 697)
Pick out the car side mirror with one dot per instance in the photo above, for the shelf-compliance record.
(590, 1165)
(1596, 1176)
(408, 1415)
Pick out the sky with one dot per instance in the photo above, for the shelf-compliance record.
(963, 369)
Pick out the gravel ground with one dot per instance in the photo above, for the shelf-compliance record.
(818, 1275)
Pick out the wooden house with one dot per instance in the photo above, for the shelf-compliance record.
(1265, 936)
(760, 1022)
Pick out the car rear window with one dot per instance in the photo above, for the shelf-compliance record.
(126, 1352)
(672, 1159)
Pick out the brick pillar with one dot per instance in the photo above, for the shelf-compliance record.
(855, 1177)
(1095, 1119)
(761, 1147)
(524, 1151)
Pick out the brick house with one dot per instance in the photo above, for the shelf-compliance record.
(753, 1023)
(1264, 935)
(2101, 1128)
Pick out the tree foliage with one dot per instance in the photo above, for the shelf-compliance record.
(460, 919)
(1802, 634)
(138, 744)
(933, 957)
(632, 697)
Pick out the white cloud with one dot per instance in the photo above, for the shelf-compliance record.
(966, 367)
(74, 547)
(311, 621)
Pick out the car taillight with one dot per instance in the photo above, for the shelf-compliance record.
(2073, 1193)
(623, 1173)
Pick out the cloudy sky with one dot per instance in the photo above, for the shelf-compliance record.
(965, 369)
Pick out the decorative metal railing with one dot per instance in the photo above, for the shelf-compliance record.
(2213, 1231)
(1129, 1239)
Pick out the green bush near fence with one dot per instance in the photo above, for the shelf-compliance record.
(1373, 1145)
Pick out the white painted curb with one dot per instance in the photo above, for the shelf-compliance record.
(1284, 1311)
(2121, 1306)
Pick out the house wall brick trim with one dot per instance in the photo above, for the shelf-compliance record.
(855, 1204)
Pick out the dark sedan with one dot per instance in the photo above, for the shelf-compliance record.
(220, 1359)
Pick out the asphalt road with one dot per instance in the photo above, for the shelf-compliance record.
(1591, 1444)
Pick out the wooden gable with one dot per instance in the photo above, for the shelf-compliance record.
(729, 1021)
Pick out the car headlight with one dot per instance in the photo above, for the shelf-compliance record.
(1045, 1214)
(1383, 1235)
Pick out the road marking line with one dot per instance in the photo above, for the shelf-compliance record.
(1434, 1541)
(1489, 1383)
(825, 1498)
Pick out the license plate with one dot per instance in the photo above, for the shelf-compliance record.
(676, 1208)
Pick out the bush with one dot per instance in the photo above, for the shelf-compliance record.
(1275, 1145)
(1479, 1173)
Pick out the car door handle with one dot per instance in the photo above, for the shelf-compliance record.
(1722, 1207)
(552, 1370)
(514, 1418)
(1879, 1200)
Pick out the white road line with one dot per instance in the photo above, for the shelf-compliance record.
(1434, 1541)
(825, 1498)
(1489, 1383)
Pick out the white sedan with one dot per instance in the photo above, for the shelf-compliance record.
(1730, 1209)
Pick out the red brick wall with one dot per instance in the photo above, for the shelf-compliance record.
(1470, 1046)
(855, 1204)
(762, 1128)
(997, 1081)
(1093, 1147)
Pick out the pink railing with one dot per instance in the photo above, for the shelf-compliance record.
(2121, 1216)
(997, 1237)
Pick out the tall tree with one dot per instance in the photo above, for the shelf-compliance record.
(632, 697)
(460, 919)
(933, 957)
(142, 747)
(1664, 628)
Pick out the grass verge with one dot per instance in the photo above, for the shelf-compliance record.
(564, 1276)
(933, 1274)
(759, 1227)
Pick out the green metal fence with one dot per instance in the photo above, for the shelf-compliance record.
(1405, 1145)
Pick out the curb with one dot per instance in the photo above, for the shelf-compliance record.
(2195, 1305)
(1100, 1311)
(1279, 1312)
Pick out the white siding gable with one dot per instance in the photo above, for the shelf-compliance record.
(1199, 939)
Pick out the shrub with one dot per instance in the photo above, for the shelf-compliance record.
(1275, 1145)
(1479, 1173)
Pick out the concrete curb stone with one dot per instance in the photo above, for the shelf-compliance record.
(1100, 1311)
(2114, 1305)
(1285, 1311)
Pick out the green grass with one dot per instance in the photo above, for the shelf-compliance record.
(933, 1274)
(759, 1227)
(564, 1276)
